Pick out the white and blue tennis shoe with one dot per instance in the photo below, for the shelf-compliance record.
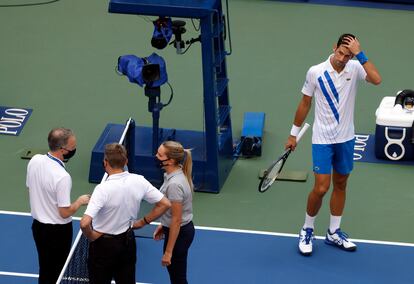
(339, 239)
(305, 241)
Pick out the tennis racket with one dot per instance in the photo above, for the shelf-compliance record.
(275, 169)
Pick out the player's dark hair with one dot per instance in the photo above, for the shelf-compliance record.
(342, 37)
(116, 155)
(58, 138)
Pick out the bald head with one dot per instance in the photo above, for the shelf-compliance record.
(58, 138)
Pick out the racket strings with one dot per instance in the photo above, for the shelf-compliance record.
(271, 175)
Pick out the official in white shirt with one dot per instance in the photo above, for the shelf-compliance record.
(49, 190)
(111, 216)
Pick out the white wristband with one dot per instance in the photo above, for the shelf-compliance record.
(295, 130)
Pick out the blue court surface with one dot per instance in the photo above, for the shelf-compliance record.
(230, 256)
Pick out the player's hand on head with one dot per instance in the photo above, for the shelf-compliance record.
(353, 45)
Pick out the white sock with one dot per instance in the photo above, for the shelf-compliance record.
(335, 223)
(309, 221)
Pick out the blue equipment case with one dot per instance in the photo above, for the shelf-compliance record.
(252, 134)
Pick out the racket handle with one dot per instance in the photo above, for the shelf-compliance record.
(302, 131)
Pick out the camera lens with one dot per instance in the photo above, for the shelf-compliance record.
(151, 73)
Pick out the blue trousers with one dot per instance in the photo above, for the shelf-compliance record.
(178, 267)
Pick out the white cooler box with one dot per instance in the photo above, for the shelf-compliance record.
(394, 131)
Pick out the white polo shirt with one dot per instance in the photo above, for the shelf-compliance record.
(334, 100)
(116, 202)
(49, 188)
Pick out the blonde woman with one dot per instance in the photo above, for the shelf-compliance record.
(176, 224)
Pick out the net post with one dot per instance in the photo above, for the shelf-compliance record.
(130, 146)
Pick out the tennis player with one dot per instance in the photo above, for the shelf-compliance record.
(111, 216)
(176, 224)
(333, 84)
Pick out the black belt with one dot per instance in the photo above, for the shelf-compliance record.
(120, 236)
(35, 221)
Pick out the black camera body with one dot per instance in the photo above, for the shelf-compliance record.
(162, 32)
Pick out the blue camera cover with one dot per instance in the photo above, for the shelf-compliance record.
(131, 66)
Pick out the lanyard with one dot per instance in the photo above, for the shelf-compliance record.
(56, 160)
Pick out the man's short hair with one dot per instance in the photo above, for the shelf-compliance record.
(58, 138)
(116, 155)
(342, 37)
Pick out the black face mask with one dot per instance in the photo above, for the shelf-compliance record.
(159, 163)
(69, 155)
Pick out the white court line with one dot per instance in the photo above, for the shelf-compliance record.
(19, 274)
(297, 235)
(254, 232)
(30, 275)
(24, 214)
(14, 213)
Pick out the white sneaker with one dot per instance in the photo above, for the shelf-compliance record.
(305, 241)
(339, 239)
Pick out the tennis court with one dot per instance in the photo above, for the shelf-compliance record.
(59, 59)
(233, 255)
